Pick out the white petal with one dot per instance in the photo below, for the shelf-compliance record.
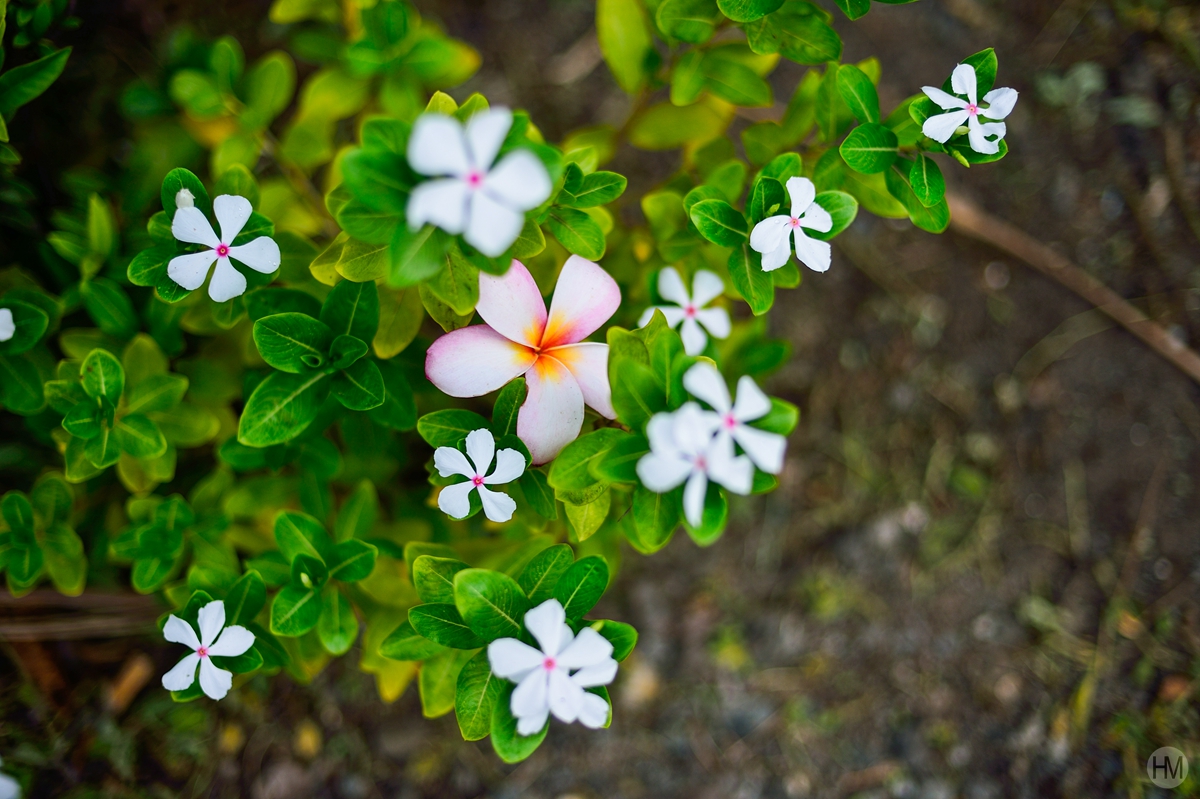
(694, 338)
(594, 712)
(492, 226)
(511, 659)
(977, 134)
(481, 446)
(672, 313)
(9, 787)
(1000, 103)
(191, 225)
(943, 99)
(802, 191)
(565, 697)
(963, 81)
(706, 287)
(211, 620)
(520, 181)
(178, 631)
(693, 498)
(661, 432)
(437, 147)
(529, 699)
(226, 282)
(780, 255)
(512, 305)
(449, 461)
(510, 465)
(585, 296)
(185, 199)
(182, 675)
(485, 133)
(671, 288)
(715, 321)
(751, 402)
(768, 233)
(441, 202)
(704, 382)
(941, 127)
(213, 681)
(817, 218)
(552, 415)
(694, 428)
(765, 449)
(191, 270)
(734, 473)
(232, 212)
(545, 623)
(602, 673)
(455, 500)
(497, 506)
(816, 255)
(261, 254)
(532, 725)
(235, 640)
(589, 648)
(7, 326)
(661, 473)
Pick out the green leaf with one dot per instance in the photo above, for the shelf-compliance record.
(507, 407)
(665, 126)
(625, 41)
(655, 517)
(577, 231)
(83, 421)
(21, 84)
(934, 219)
(295, 611)
(756, 286)
(735, 82)
(598, 188)
(416, 256)
(101, 230)
(17, 512)
(925, 179)
(368, 225)
(571, 469)
(21, 382)
(622, 636)
(437, 682)
(359, 386)
(859, 93)
(531, 242)
(508, 744)
(138, 436)
(748, 10)
(542, 573)
(357, 515)
(30, 323)
(109, 306)
(491, 603)
(767, 198)
(269, 87)
(870, 148)
(692, 21)
(457, 284)
(798, 32)
(52, 498)
(986, 66)
(245, 599)
(447, 428)
(687, 78)
(281, 408)
(399, 408)
(842, 208)
(176, 180)
(338, 626)
(352, 561)
(433, 577)
(781, 419)
(352, 309)
(581, 587)
(538, 493)
(405, 643)
(719, 222)
(103, 450)
(159, 392)
(102, 376)
(300, 534)
(292, 342)
(65, 561)
(854, 8)
(712, 520)
(587, 518)
(619, 463)
(636, 393)
(346, 350)
(476, 696)
(443, 624)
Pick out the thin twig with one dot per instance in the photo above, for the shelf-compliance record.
(969, 219)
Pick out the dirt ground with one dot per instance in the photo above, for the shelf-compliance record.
(980, 576)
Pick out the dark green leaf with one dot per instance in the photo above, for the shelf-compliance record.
(622, 636)
(21, 84)
(359, 387)
(443, 624)
(719, 222)
(281, 408)
(870, 148)
(491, 603)
(508, 405)
(859, 93)
(447, 428)
(577, 231)
(433, 577)
(292, 342)
(295, 611)
(352, 560)
(475, 697)
(352, 309)
(571, 469)
(338, 626)
(245, 599)
(748, 10)
(541, 574)
(582, 585)
(405, 643)
(509, 745)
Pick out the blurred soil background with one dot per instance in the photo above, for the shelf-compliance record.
(980, 576)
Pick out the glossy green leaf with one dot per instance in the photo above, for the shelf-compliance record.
(582, 585)
(491, 603)
(475, 697)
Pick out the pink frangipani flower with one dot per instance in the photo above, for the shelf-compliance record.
(562, 371)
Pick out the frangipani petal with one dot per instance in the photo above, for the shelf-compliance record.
(816, 255)
(441, 202)
(765, 449)
(455, 500)
(941, 127)
(190, 225)
(511, 659)
(437, 147)
(510, 465)
(485, 133)
(449, 461)
(520, 181)
(584, 299)
(553, 411)
(211, 619)
(751, 402)
(706, 287)
(492, 226)
(178, 631)
(1000, 103)
(944, 100)
(671, 288)
(602, 673)
(704, 382)
(481, 447)
(588, 364)
(545, 623)
(183, 674)
(261, 254)
(512, 305)
(594, 711)
(235, 640)
(589, 648)
(962, 80)
(232, 212)
(715, 321)
(802, 191)
(213, 681)
(475, 360)
(497, 506)
(565, 697)
(191, 270)
(227, 282)
(694, 339)
(693, 498)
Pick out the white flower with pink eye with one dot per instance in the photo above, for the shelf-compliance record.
(562, 371)
(765, 449)
(455, 500)
(552, 679)
(192, 227)
(8, 327)
(685, 447)
(1000, 104)
(689, 308)
(484, 201)
(773, 237)
(215, 639)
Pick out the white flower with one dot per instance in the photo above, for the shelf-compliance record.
(9, 788)
(684, 447)
(8, 328)
(185, 199)
(689, 309)
(772, 236)
(191, 226)
(455, 500)
(765, 449)
(1000, 104)
(485, 202)
(544, 680)
(215, 639)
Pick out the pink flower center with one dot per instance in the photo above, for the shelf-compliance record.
(477, 480)
(730, 422)
(548, 664)
(689, 311)
(972, 109)
(794, 222)
(700, 463)
(474, 179)
(222, 250)
(202, 651)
